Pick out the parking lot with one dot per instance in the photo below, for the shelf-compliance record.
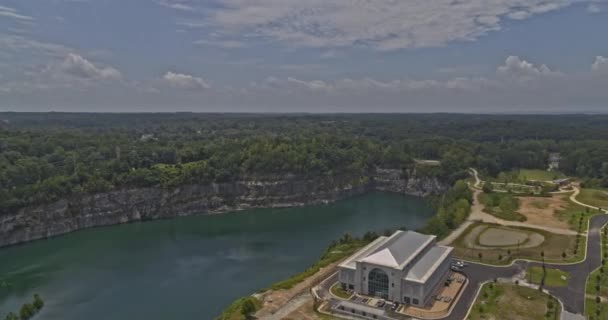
(440, 303)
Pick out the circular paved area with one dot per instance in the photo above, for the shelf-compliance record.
(485, 237)
(499, 237)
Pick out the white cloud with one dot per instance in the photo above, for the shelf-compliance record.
(20, 44)
(596, 7)
(185, 81)
(380, 24)
(600, 64)
(226, 44)
(177, 5)
(13, 14)
(518, 69)
(76, 66)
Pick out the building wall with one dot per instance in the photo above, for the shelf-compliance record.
(394, 280)
(347, 278)
(437, 278)
(422, 292)
(412, 290)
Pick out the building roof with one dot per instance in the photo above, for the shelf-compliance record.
(383, 258)
(350, 262)
(428, 264)
(405, 246)
(395, 251)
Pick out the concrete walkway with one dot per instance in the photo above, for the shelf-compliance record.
(573, 199)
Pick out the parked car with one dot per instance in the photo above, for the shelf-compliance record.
(455, 268)
(458, 263)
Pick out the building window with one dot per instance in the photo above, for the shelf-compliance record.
(416, 302)
(351, 287)
(406, 300)
(377, 284)
(393, 284)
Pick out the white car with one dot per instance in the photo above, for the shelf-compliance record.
(458, 264)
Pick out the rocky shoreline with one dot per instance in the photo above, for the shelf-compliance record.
(140, 204)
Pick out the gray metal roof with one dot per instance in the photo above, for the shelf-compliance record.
(408, 245)
(350, 262)
(428, 263)
(395, 251)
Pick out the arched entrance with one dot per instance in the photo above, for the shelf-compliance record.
(377, 284)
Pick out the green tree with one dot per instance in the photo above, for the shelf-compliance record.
(27, 311)
(38, 303)
(247, 308)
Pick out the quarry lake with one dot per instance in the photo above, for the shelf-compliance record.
(186, 268)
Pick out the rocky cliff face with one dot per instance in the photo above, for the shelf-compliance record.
(128, 205)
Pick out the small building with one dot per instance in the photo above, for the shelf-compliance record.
(407, 267)
(554, 159)
(562, 182)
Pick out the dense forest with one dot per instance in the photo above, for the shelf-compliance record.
(46, 156)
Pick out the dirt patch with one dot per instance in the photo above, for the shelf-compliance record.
(541, 211)
(305, 312)
(273, 300)
(499, 237)
(554, 246)
(486, 237)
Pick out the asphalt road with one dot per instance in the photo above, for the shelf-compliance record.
(573, 295)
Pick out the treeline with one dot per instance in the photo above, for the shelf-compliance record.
(452, 208)
(48, 156)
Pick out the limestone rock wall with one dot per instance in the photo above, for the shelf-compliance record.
(138, 204)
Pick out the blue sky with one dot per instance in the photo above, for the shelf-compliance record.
(311, 56)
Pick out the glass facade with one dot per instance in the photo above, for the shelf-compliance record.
(377, 284)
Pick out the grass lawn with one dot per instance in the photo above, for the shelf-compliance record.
(553, 278)
(591, 310)
(594, 197)
(553, 247)
(501, 205)
(337, 290)
(509, 301)
(539, 175)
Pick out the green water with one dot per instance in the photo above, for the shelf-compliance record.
(186, 268)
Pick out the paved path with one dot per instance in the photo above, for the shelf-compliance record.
(477, 215)
(573, 199)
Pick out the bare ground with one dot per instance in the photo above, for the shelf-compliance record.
(275, 300)
(542, 211)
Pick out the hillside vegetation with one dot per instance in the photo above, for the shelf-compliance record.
(48, 156)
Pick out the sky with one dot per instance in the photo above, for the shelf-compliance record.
(488, 56)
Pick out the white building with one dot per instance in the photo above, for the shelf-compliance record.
(407, 267)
